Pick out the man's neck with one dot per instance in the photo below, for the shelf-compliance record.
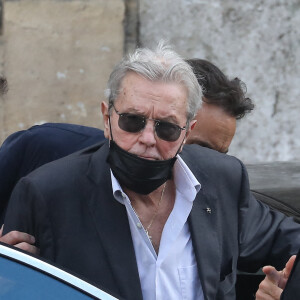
(154, 209)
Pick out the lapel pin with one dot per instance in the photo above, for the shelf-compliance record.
(208, 210)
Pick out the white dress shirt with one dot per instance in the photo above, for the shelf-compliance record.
(172, 274)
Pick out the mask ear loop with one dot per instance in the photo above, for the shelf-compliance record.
(181, 145)
(109, 109)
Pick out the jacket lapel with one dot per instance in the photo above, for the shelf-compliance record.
(111, 222)
(203, 227)
(203, 223)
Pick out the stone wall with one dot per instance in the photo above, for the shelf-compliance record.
(256, 40)
(57, 56)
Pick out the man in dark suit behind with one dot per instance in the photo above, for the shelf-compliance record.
(134, 216)
(26, 150)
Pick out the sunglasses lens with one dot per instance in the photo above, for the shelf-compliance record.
(135, 123)
(131, 123)
(167, 131)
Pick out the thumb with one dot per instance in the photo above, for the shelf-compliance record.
(289, 266)
(272, 274)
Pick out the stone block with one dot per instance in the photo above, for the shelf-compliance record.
(57, 56)
(255, 40)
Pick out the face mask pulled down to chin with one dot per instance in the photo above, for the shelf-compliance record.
(139, 175)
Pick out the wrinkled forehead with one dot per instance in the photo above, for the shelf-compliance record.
(136, 85)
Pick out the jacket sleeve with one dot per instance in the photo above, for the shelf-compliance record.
(27, 212)
(11, 161)
(266, 237)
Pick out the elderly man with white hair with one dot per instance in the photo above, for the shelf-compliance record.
(138, 214)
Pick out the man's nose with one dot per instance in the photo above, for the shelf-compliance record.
(147, 135)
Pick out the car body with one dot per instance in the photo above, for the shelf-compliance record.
(23, 276)
(278, 185)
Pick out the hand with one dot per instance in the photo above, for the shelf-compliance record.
(274, 283)
(21, 240)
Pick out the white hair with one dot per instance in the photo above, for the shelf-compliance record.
(160, 64)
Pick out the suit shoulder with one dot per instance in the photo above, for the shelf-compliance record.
(197, 157)
(52, 134)
(62, 168)
(195, 151)
(52, 140)
(68, 128)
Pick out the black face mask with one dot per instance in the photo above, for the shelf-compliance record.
(140, 175)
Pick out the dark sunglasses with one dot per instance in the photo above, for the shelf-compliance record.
(135, 123)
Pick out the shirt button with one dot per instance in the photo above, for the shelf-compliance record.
(139, 225)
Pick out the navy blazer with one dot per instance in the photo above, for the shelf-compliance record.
(26, 150)
(69, 207)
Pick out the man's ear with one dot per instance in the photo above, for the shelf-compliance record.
(191, 127)
(105, 114)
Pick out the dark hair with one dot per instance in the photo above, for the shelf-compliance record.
(3, 85)
(219, 90)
